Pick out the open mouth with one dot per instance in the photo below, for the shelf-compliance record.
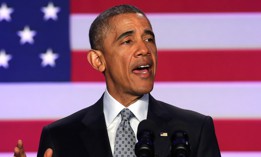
(142, 69)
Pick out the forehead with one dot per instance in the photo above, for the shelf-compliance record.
(129, 21)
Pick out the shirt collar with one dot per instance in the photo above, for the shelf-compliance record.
(112, 107)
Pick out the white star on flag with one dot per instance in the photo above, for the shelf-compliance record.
(5, 12)
(26, 35)
(48, 58)
(50, 11)
(4, 58)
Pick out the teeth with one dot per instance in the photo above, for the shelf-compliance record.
(144, 66)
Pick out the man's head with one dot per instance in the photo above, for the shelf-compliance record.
(101, 24)
(124, 49)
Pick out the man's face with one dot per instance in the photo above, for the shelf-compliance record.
(130, 55)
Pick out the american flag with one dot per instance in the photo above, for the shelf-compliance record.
(209, 61)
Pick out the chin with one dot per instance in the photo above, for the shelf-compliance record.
(144, 89)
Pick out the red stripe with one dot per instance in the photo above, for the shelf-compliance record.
(81, 69)
(189, 65)
(97, 6)
(233, 135)
(28, 131)
(239, 135)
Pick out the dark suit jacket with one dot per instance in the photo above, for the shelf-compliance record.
(84, 133)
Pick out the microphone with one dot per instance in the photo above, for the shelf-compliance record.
(180, 146)
(145, 145)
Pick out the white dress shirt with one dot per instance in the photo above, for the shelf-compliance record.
(111, 111)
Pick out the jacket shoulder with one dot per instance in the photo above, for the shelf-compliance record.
(76, 118)
(177, 113)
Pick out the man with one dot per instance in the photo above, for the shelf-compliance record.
(124, 50)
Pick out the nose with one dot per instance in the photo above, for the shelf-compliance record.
(142, 49)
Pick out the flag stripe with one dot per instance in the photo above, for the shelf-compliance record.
(227, 131)
(188, 65)
(29, 131)
(241, 154)
(238, 135)
(54, 101)
(187, 31)
(223, 154)
(82, 6)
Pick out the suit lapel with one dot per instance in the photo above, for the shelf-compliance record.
(95, 136)
(158, 114)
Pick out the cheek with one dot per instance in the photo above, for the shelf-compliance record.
(154, 54)
(152, 48)
(126, 60)
(120, 64)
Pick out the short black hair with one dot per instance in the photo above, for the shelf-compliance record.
(101, 23)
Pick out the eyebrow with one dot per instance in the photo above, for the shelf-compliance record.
(124, 35)
(150, 32)
(131, 32)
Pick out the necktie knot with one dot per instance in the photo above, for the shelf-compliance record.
(126, 114)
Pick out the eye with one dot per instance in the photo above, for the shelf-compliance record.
(126, 42)
(150, 40)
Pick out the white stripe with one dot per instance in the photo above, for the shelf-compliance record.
(10, 154)
(188, 31)
(51, 101)
(79, 32)
(241, 154)
(223, 154)
(219, 100)
(46, 100)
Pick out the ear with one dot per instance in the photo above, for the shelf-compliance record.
(96, 59)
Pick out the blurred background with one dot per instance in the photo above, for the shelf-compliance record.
(209, 55)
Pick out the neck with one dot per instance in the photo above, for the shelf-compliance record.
(125, 100)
